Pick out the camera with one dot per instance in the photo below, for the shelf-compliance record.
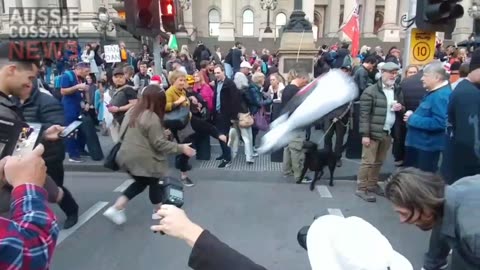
(172, 191)
(302, 235)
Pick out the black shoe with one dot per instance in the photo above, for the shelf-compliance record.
(70, 208)
(188, 182)
(219, 158)
(225, 164)
(70, 222)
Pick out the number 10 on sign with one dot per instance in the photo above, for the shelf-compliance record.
(422, 47)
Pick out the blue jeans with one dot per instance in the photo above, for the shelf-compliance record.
(438, 250)
(48, 75)
(229, 71)
(74, 145)
(424, 160)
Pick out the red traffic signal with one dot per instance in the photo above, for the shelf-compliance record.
(167, 7)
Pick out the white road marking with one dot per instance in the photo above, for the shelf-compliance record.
(335, 212)
(123, 186)
(64, 234)
(324, 192)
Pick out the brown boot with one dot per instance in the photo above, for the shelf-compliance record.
(365, 195)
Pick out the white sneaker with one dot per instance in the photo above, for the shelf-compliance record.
(116, 216)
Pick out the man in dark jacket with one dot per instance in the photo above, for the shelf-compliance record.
(378, 105)
(462, 153)
(226, 109)
(237, 57)
(361, 76)
(39, 107)
(16, 76)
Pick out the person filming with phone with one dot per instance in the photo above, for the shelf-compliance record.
(16, 77)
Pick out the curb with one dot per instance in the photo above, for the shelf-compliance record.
(98, 168)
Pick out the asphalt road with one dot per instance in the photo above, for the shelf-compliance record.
(258, 213)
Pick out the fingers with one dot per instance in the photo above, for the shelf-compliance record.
(38, 151)
(157, 228)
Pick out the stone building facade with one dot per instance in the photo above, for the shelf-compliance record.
(228, 20)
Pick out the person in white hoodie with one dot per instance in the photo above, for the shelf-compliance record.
(334, 243)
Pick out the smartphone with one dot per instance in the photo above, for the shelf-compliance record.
(70, 129)
(28, 139)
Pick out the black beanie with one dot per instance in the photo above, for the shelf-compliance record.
(475, 60)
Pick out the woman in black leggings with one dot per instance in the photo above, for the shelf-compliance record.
(143, 152)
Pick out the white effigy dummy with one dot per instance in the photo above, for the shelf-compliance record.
(314, 101)
(338, 243)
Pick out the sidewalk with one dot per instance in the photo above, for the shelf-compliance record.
(262, 164)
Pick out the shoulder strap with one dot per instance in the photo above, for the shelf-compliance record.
(123, 134)
(71, 76)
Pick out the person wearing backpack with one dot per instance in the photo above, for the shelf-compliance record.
(72, 88)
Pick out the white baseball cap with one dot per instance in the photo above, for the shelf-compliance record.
(338, 243)
(245, 64)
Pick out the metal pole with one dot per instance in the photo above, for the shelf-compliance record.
(157, 58)
(412, 10)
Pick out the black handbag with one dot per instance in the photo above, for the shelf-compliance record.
(110, 160)
(177, 119)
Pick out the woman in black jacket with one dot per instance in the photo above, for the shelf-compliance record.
(38, 106)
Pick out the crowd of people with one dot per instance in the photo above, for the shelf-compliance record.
(428, 114)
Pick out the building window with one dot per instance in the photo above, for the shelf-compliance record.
(213, 22)
(378, 21)
(248, 26)
(280, 21)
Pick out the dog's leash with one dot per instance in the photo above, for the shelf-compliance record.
(331, 125)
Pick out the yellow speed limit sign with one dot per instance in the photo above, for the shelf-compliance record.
(422, 47)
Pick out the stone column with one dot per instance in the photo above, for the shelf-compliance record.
(333, 11)
(348, 8)
(227, 26)
(188, 18)
(309, 9)
(390, 31)
(369, 19)
(464, 26)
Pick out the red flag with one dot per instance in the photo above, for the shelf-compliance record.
(352, 30)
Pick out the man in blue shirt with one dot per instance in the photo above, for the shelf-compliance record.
(426, 126)
(72, 91)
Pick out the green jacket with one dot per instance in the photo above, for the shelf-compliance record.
(373, 110)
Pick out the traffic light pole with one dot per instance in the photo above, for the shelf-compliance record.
(157, 58)
(412, 10)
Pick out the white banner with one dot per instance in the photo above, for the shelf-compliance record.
(112, 53)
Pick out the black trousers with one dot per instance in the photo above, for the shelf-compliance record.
(68, 204)
(399, 135)
(155, 190)
(339, 129)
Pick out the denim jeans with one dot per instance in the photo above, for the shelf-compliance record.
(75, 144)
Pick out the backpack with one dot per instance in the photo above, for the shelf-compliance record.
(347, 61)
(205, 55)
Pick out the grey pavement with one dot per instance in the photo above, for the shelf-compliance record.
(347, 172)
(257, 213)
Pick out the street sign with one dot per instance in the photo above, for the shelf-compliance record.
(112, 54)
(422, 47)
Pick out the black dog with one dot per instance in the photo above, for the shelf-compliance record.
(316, 160)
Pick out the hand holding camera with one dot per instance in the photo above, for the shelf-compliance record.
(175, 223)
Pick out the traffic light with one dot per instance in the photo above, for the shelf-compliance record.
(438, 15)
(143, 17)
(169, 21)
